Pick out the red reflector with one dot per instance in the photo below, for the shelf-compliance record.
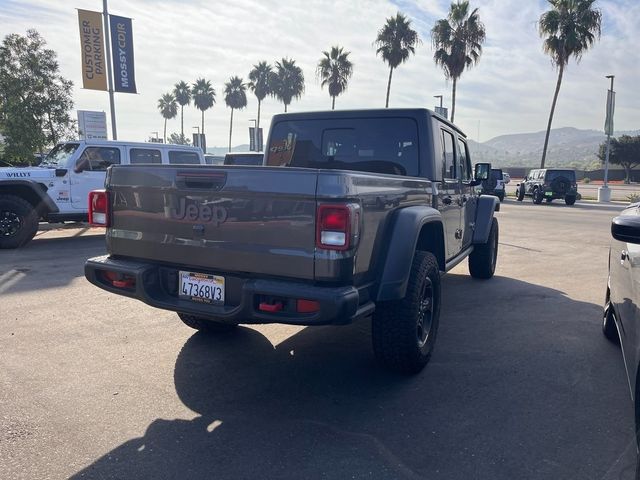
(334, 218)
(270, 307)
(119, 280)
(307, 306)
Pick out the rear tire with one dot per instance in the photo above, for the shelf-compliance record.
(205, 325)
(520, 193)
(537, 196)
(18, 222)
(483, 259)
(404, 331)
(500, 196)
(569, 200)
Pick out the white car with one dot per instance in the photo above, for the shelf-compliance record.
(506, 178)
(58, 189)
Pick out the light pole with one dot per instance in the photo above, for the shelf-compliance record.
(440, 97)
(604, 194)
(255, 135)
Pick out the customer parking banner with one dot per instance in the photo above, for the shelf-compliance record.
(94, 68)
(122, 54)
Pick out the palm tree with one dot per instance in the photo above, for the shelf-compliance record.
(235, 96)
(204, 97)
(259, 83)
(168, 109)
(182, 92)
(335, 70)
(457, 40)
(395, 42)
(569, 29)
(287, 82)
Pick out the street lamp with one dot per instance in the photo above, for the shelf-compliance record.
(440, 97)
(604, 194)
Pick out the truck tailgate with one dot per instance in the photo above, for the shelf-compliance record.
(226, 219)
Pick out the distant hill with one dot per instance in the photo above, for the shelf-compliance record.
(568, 146)
(222, 150)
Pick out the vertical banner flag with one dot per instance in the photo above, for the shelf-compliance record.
(611, 106)
(94, 68)
(122, 54)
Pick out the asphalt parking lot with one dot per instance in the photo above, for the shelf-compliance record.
(522, 383)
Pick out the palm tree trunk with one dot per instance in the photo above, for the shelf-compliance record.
(333, 102)
(182, 121)
(386, 105)
(258, 120)
(164, 135)
(453, 99)
(553, 108)
(285, 108)
(230, 129)
(202, 131)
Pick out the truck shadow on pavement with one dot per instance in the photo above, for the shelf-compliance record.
(47, 262)
(522, 385)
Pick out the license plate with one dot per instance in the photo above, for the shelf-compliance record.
(549, 194)
(201, 287)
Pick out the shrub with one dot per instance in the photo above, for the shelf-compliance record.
(586, 180)
(633, 197)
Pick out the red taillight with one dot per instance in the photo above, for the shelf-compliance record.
(334, 224)
(99, 208)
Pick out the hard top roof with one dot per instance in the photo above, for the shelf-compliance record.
(370, 112)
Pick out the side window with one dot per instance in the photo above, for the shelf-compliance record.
(448, 156)
(463, 160)
(144, 155)
(183, 157)
(98, 158)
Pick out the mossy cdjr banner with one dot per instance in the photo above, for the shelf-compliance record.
(122, 54)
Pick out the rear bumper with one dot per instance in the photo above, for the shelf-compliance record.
(157, 286)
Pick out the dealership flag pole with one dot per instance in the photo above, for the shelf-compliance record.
(112, 103)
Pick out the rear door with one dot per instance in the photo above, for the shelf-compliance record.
(223, 219)
(450, 195)
(90, 171)
(468, 198)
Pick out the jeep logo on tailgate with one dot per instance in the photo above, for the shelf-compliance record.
(194, 211)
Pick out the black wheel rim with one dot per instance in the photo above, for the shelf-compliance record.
(425, 313)
(10, 223)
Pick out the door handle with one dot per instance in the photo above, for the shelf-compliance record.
(447, 200)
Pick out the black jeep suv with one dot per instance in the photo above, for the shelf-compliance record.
(549, 184)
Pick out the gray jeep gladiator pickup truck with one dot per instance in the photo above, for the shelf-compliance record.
(352, 214)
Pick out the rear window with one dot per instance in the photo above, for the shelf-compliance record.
(553, 174)
(145, 155)
(496, 174)
(182, 157)
(380, 145)
(255, 159)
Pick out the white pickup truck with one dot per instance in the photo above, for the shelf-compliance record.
(58, 189)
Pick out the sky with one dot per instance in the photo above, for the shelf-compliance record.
(509, 91)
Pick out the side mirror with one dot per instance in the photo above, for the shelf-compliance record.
(482, 171)
(626, 228)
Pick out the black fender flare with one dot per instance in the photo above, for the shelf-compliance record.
(404, 232)
(487, 205)
(34, 192)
